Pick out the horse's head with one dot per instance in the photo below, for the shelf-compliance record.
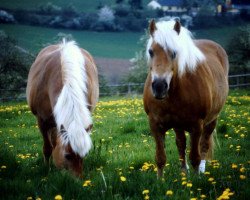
(162, 57)
(64, 157)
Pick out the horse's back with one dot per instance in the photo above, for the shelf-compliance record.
(214, 50)
(44, 81)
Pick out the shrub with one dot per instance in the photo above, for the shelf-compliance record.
(238, 50)
(6, 17)
(14, 65)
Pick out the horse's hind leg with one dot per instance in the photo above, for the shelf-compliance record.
(194, 155)
(206, 144)
(47, 147)
(181, 145)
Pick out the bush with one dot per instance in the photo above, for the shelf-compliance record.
(49, 9)
(139, 71)
(239, 51)
(6, 17)
(14, 65)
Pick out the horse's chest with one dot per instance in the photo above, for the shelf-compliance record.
(173, 116)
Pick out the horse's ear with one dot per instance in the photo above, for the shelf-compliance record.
(152, 27)
(177, 26)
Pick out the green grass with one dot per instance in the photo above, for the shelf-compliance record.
(122, 145)
(101, 44)
(80, 5)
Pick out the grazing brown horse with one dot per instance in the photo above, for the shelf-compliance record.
(186, 89)
(62, 91)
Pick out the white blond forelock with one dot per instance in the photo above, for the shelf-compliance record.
(188, 54)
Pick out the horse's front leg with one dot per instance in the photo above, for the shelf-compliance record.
(181, 145)
(47, 147)
(160, 156)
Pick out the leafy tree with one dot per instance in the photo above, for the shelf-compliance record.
(119, 1)
(239, 51)
(14, 65)
(135, 4)
(138, 72)
(103, 84)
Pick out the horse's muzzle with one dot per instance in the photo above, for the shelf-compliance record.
(160, 88)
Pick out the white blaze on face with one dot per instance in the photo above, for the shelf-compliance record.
(167, 76)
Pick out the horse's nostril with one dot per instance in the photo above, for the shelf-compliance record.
(159, 87)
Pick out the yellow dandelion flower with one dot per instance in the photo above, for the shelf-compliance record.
(3, 167)
(29, 198)
(169, 193)
(203, 196)
(211, 179)
(183, 174)
(242, 169)
(87, 183)
(242, 177)
(38, 198)
(58, 197)
(145, 192)
(123, 179)
(146, 197)
(184, 182)
(189, 185)
(193, 198)
(234, 166)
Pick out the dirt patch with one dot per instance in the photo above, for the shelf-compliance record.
(113, 69)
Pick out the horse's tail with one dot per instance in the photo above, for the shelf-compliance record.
(71, 110)
(213, 143)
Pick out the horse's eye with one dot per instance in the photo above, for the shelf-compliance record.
(173, 55)
(151, 53)
(68, 156)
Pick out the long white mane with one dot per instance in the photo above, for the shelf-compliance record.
(187, 52)
(71, 110)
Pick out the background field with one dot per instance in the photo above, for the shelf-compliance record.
(123, 147)
(101, 44)
(31, 5)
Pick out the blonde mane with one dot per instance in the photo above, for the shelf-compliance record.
(71, 110)
(188, 54)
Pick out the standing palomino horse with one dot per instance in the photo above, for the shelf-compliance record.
(186, 89)
(62, 91)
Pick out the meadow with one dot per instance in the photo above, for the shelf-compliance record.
(101, 44)
(121, 163)
(79, 5)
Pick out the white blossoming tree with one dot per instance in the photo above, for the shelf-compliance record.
(106, 15)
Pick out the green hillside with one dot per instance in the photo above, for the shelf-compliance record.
(80, 5)
(101, 44)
